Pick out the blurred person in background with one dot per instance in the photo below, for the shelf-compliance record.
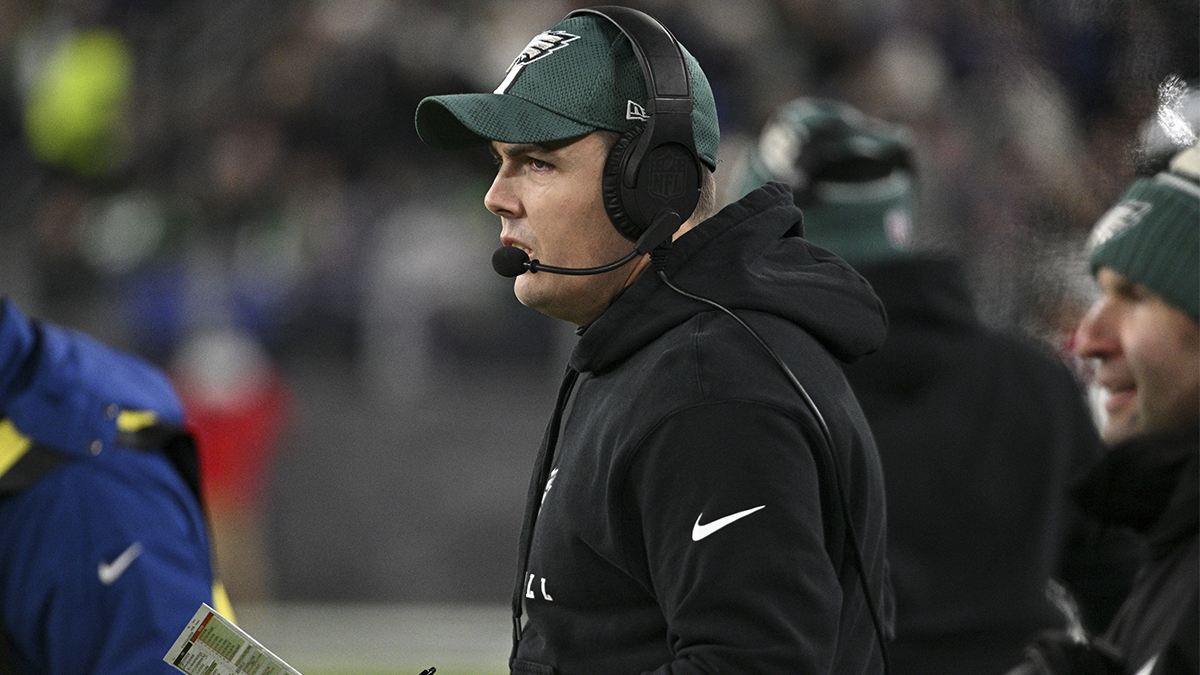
(1144, 335)
(689, 511)
(236, 405)
(104, 548)
(980, 431)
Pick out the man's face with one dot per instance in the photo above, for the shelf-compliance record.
(549, 201)
(1148, 359)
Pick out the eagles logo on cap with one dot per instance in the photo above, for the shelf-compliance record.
(538, 47)
(1118, 219)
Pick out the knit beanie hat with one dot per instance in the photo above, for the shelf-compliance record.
(577, 77)
(850, 174)
(1152, 235)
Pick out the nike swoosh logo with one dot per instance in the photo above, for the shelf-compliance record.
(701, 531)
(110, 572)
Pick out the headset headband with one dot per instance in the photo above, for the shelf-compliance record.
(668, 89)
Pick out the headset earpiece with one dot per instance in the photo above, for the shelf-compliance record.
(611, 183)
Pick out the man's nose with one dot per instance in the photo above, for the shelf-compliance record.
(1096, 337)
(500, 198)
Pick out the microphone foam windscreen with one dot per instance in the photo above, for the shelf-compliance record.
(509, 261)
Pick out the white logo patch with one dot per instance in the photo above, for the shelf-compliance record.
(529, 588)
(110, 572)
(1118, 219)
(549, 484)
(701, 531)
(539, 47)
(634, 111)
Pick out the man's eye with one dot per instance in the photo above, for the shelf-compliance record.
(539, 164)
(1132, 292)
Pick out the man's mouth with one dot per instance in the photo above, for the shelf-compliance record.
(1119, 399)
(505, 241)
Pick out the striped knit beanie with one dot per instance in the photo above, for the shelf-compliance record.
(1152, 235)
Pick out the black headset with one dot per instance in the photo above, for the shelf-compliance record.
(652, 176)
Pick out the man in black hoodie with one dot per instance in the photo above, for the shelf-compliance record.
(702, 502)
(980, 431)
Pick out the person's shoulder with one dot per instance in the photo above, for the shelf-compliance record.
(729, 362)
(80, 505)
(120, 483)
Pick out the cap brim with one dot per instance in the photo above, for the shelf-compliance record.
(466, 120)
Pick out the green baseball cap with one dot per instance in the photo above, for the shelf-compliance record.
(850, 173)
(571, 80)
(1152, 235)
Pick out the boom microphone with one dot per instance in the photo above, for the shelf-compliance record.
(510, 261)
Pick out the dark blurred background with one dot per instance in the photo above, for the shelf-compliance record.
(234, 190)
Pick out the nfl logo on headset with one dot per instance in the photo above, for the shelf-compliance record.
(668, 173)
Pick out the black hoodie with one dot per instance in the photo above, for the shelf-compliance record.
(685, 526)
(980, 433)
(1152, 484)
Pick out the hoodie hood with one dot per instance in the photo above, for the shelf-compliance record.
(749, 257)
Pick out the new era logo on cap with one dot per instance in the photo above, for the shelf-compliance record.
(539, 47)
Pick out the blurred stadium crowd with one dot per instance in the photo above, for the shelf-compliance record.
(234, 189)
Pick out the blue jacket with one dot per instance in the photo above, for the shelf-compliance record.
(104, 558)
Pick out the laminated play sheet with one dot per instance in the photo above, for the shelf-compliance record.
(212, 645)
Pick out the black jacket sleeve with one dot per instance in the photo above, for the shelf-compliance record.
(726, 495)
